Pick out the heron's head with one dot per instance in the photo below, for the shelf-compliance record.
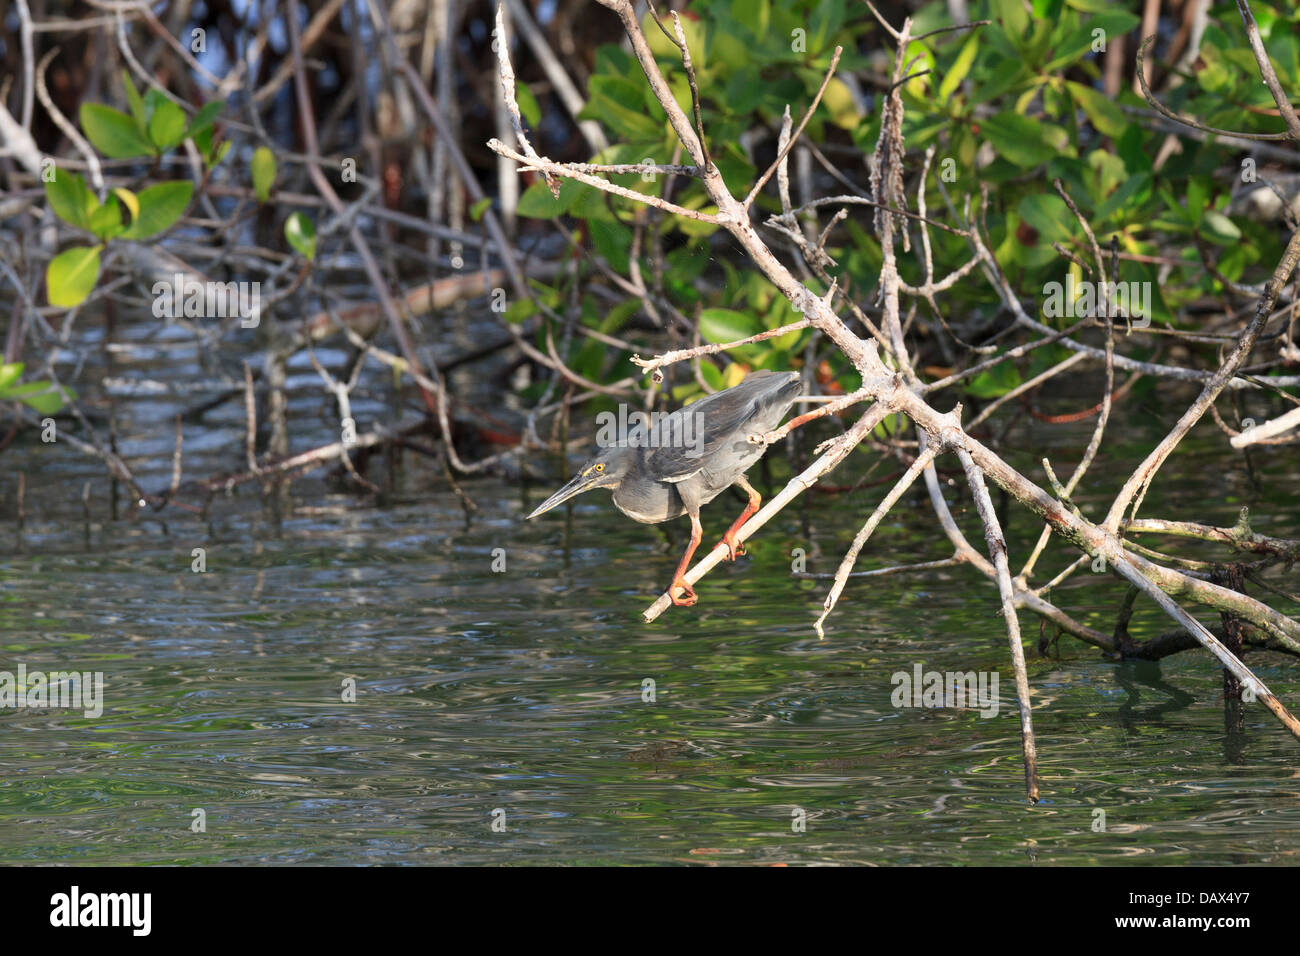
(605, 470)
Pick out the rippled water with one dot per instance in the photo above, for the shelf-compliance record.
(521, 692)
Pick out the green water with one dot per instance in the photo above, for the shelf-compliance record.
(521, 691)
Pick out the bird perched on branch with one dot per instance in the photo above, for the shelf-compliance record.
(674, 464)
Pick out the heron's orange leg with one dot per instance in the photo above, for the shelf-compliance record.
(734, 547)
(687, 597)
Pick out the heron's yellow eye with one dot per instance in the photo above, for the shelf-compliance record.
(600, 468)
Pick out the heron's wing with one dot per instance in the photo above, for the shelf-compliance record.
(685, 442)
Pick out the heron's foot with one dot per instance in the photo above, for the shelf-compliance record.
(734, 548)
(687, 597)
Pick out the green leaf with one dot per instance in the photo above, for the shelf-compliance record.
(71, 275)
(1135, 148)
(1047, 214)
(960, 67)
(136, 104)
(994, 382)
(694, 31)
(1018, 139)
(754, 14)
(744, 90)
(476, 211)
(301, 234)
(205, 117)
(213, 156)
(106, 221)
(528, 108)
(733, 375)
(694, 227)
(538, 203)
(154, 98)
(1078, 43)
(1219, 229)
(167, 125)
(48, 402)
(1091, 6)
(519, 310)
(45, 397)
(1100, 109)
(709, 372)
(1012, 15)
(160, 207)
(1005, 75)
(129, 200)
(263, 169)
(1132, 186)
(612, 240)
(827, 15)
(619, 315)
(620, 105)
(839, 103)
(113, 133)
(10, 373)
(1198, 197)
(727, 325)
(70, 198)
(890, 426)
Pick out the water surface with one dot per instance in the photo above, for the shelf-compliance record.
(518, 695)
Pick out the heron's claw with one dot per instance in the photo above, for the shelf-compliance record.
(734, 548)
(687, 597)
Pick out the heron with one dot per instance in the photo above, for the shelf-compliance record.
(679, 462)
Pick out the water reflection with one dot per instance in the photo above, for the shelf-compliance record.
(524, 692)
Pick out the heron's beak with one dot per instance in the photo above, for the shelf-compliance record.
(579, 484)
